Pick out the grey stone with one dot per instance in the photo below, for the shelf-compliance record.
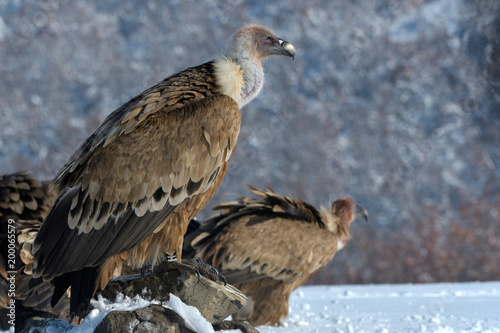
(214, 300)
(117, 321)
(151, 319)
(39, 325)
(144, 314)
(242, 325)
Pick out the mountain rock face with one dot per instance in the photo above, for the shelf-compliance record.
(393, 103)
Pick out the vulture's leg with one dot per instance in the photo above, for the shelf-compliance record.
(167, 258)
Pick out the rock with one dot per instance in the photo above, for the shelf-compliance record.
(150, 319)
(242, 325)
(214, 300)
(39, 325)
(117, 321)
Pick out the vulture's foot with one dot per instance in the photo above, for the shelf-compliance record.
(146, 270)
(198, 266)
(195, 265)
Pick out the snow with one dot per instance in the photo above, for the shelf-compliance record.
(191, 315)
(103, 306)
(439, 308)
(444, 307)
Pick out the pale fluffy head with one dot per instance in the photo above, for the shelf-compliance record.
(239, 73)
(256, 42)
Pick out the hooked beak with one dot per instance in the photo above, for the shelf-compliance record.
(287, 49)
(359, 212)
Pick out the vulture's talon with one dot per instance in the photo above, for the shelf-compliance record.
(222, 278)
(200, 267)
(147, 269)
(197, 274)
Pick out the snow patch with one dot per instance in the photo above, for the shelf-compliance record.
(443, 307)
(103, 306)
(191, 315)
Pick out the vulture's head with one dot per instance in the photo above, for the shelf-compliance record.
(253, 41)
(347, 211)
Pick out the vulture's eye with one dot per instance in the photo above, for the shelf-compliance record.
(268, 40)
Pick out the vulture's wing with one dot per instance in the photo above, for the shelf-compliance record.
(276, 237)
(277, 247)
(126, 184)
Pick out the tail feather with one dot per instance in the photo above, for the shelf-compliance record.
(83, 285)
(188, 251)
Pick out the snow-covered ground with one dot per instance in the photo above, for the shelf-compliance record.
(443, 308)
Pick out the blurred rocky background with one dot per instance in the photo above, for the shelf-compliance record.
(393, 103)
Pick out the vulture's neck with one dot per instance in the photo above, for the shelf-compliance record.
(336, 227)
(242, 78)
(253, 75)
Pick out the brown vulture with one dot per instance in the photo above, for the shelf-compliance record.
(268, 247)
(128, 193)
(27, 201)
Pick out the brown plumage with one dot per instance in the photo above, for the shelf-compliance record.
(23, 197)
(268, 247)
(128, 193)
(27, 201)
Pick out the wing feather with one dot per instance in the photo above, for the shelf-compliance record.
(124, 188)
(251, 239)
(264, 249)
(22, 196)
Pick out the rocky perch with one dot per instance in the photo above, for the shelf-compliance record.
(153, 318)
(214, 300)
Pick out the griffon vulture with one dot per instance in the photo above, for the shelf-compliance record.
(27, 201)
(128, 193)
(268, 247)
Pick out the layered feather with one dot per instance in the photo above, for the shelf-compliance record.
(270, 245)
(123, 184)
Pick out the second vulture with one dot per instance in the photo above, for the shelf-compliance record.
(270, 246)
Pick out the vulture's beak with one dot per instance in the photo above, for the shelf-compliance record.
(359, 212)
(285, 48)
